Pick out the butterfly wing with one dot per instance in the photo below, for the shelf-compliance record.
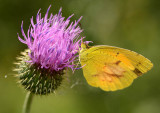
(112, 68)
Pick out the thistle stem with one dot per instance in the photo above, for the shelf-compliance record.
(27, 103)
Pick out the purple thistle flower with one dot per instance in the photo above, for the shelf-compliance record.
(52, 41)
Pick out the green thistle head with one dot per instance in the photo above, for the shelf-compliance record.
(37, 80)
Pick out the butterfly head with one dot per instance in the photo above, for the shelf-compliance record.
(84, 45)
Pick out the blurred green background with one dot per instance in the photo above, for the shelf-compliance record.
(131, 24)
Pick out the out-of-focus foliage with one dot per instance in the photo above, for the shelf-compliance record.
(131, 24)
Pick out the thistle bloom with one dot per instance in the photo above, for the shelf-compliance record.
(53, 44)
(51, 41)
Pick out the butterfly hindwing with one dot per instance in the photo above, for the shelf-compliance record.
(112, 68)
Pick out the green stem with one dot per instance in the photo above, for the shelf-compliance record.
(27, 103)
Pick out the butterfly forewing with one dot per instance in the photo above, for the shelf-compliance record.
(112, 68)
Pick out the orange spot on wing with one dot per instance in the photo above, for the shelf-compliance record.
(107, 69)
(113, 70)
(105, 77)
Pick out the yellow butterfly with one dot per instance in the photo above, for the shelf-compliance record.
(111, 68)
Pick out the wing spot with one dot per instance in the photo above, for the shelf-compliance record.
(117, 63)
(105, 63)
(137, 72)
(117, 54)
(139, 64)
(95, 75)
(118, 76)
(115, 75)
